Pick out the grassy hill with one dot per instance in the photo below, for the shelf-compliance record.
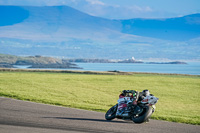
(4, 58)
(178, 95)
(7, 61)
(11, 59)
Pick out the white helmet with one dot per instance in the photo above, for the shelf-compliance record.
(146, 93)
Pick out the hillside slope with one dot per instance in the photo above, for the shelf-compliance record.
(64, 31)
(8, 61)
(177, 29)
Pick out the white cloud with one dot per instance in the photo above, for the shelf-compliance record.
(96, 8)
(95, 2)
(136, 8)
(116, 11)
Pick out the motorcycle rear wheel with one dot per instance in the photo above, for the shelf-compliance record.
(111, 113)
(143, 116)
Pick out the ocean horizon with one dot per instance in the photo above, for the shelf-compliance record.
(192, 68)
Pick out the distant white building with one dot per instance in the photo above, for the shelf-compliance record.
(133, 58)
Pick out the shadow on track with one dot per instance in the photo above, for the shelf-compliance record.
(87, 119)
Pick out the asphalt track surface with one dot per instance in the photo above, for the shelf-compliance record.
(27, 117)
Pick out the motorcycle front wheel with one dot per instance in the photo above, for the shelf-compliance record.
(147, 112)
(111, 113)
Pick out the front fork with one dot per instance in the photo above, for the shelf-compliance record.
(153, 108)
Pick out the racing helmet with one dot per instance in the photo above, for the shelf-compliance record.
(146, 93)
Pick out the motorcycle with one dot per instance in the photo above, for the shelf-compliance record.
(128, 107)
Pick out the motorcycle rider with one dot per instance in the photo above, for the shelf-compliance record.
(134, 98)
(129, 97)
(133, 94)
(128, 106)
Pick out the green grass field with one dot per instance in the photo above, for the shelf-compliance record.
(178, 95)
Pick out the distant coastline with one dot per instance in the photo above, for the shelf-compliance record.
(10, 61)
(131, 60)
(173, 62)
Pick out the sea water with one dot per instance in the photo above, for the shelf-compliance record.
(192, 68)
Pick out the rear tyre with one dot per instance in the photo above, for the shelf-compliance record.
(111, 113)
(144, 116)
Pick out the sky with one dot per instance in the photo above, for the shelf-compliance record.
(121, 9)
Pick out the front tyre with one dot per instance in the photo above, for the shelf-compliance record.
(111, 113)
(143, 116)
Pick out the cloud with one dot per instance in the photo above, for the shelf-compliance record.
(95, 2)
(96, 8)
(100, 9)
(136, 8)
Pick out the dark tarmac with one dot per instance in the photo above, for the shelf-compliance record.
(27, 117)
